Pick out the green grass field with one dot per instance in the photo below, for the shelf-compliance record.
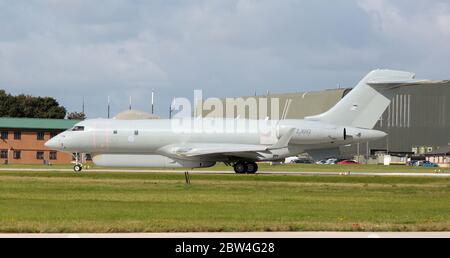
(283, 168)
(139, 202)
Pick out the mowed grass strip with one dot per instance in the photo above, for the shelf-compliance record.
(121, 202)
(265, 167)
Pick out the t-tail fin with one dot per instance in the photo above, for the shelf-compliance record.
(365, 104)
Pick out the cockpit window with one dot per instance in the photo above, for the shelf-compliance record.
(78, 129)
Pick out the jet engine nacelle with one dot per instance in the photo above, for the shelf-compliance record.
(147, 161)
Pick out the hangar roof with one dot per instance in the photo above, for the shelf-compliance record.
(135, 115)
(441, 151)
(34, 123)
(301, 104)
(310, 103)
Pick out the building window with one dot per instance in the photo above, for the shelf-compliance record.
(17, 135)
(17, 154)
(4, 154)
(4, 135)
(115, 132)
(53, 134)
(136, 132)
(40, 136)
(53, 155)
(40, 155)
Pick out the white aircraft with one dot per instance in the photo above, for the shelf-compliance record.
(180, 144)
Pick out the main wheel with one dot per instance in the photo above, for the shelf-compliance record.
(240, 168)
(78, 168)
(252, 168)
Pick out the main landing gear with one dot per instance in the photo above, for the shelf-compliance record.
(245, 167)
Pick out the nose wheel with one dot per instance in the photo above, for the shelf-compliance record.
(78, 168)
(245, 167)
(78, 165)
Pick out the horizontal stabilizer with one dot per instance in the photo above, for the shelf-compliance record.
(397, 84)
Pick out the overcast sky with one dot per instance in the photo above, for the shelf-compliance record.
(70, 49)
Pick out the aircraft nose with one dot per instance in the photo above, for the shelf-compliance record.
(53, 144)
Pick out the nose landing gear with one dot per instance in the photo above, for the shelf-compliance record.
(78, 165)
(78, 168)
(245, 167)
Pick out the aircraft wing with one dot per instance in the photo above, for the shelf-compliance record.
(202, 149)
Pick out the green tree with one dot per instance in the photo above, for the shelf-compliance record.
(76, 116)
(4, 99)
(27, 106)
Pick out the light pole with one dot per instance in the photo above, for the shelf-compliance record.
(171, 108)
(153, 102)
(109, 107)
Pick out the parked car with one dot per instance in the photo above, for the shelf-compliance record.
(348, 162)
(332, 161)
(429, 164)
(329, 161)
(416, 163)
(424, 163)
(291, 160)
(321, 162)
(303, 161)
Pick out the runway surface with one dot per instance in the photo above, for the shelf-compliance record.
(303, 173)
(240, 235)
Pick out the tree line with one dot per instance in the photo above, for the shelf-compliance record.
(26, 106)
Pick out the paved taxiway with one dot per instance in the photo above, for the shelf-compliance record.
(305, 173)
(242, 235)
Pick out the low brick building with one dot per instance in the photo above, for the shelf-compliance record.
(22, 141)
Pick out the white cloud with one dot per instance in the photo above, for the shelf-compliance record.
(54, 64)
(77, 48)
(394, 20)
(412, 36)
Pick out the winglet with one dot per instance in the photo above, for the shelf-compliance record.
(283, 142)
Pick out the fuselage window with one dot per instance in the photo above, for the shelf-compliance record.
(78, 129)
